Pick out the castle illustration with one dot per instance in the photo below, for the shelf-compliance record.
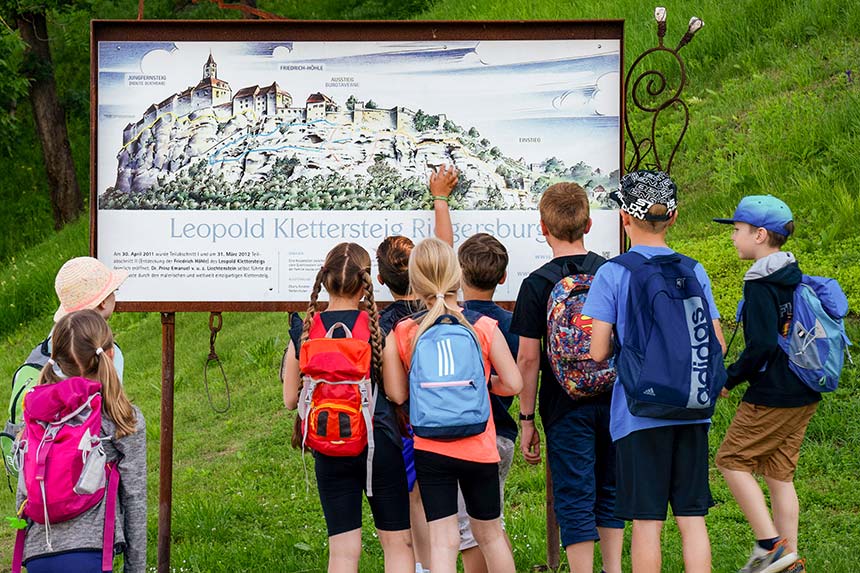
(215, 94)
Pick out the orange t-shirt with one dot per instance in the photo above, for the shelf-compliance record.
(480, 447)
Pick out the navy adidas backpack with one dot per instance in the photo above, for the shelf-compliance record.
(448, 396)
(671, 362)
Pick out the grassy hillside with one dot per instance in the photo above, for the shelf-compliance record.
(773, 111)
(240, 498)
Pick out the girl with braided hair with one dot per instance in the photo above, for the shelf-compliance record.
(345, 275)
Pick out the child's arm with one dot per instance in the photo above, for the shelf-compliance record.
(442, 183)
(292, 378)
(760, 335)
(395, 380)
(601, 340)
(508, 380)
(718, 330)
(132, 493)
(528, 362)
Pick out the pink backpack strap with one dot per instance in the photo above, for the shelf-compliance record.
(18, 555)
(112, 491)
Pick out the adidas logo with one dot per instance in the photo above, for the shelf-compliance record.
(650, 392)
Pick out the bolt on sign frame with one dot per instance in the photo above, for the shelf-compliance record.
(227, 157)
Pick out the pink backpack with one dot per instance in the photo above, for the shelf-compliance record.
(64, 461)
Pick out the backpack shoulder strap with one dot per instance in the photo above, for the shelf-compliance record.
(592, 262)
(688, 262)
(45, 347)
(552, 273)
(317, 329)
(361, 329)
(111, 493)
(630, 260)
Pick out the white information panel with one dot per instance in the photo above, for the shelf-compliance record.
(226, 170)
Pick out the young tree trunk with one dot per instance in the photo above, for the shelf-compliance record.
(50, 118)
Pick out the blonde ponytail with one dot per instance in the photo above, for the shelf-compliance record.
(434, 275)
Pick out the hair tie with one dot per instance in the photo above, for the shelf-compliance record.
(51, 361)
(440, 296)
(99, 351)
(58, 372)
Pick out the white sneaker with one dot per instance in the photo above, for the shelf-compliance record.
(764, 561)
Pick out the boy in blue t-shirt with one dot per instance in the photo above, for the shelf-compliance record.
(659, 461)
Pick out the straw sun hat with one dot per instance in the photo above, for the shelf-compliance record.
(84, 282)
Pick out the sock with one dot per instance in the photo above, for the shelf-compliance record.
(767, 544)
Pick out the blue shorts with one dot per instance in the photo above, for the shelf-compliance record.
(409, 460)
(77, 561)
(581, 459)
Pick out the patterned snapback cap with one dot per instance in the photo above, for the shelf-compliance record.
(641, 190)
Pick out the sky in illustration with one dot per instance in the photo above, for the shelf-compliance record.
(533, 99)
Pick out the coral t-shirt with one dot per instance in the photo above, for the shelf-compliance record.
(480, 447)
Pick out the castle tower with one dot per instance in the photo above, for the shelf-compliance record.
(210, 68)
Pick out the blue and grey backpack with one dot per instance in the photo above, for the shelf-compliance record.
(816, 340)
(671, 362)
(448, 396)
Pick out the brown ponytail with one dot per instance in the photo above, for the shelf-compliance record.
(76, 341)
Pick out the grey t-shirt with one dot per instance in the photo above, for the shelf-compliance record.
(85, 532)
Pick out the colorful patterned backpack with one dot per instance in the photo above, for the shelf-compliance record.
(568, 337)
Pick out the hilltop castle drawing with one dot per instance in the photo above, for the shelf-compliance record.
(215, 94)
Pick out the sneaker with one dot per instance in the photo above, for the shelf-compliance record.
(798, 566)
(773, 561)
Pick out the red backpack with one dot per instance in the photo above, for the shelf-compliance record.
(336, 402)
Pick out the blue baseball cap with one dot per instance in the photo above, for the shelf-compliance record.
(764, 211)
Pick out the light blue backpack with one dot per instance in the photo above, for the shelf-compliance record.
(448, 396)
(816, 341)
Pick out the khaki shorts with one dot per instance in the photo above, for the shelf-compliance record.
(765, 440)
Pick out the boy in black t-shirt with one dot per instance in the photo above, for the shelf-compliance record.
(580, 452)
(484, 263)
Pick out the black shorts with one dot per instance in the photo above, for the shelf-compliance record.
(659, 466)
(342, 480)
(438, 477)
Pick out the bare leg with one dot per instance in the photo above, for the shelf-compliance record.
(645, 547)
(749, 496)
(697, 546)
(420, 531)
(580, 556)
(344, 551)
(786, 510)
(494, 545)
(611, 543)
(397, 549)
(473, 560)
(444, 544)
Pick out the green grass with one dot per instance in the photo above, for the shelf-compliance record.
(772, 111)
(240, 502)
